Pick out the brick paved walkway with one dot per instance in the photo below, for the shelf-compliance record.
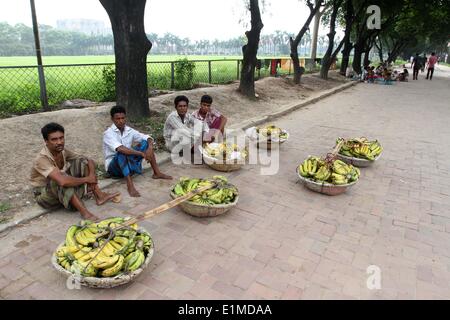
(283, 241)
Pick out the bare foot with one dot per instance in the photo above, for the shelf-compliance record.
(161, 176)
(133, 192)
(103, 197)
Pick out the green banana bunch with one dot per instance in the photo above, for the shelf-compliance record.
(222, 193)
(361, 148)
(134, 260)
(83, 268)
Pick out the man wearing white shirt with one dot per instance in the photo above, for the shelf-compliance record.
(123, 160)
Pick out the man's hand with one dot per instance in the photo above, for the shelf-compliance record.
(91, 179)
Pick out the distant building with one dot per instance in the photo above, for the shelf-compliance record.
(86, 26)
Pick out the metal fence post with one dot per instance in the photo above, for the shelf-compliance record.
(172, 75)
(237, 76)
(43, 89)
(209, 72)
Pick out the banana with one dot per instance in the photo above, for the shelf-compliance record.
(338, 179)
(105, 223)
(138, 262)
(83, 268)
(303, 170)
(104, 262)
(82, 238)
(179, 190)
(70, 241)
(112, 271)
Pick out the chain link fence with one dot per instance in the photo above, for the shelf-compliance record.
(20, 92)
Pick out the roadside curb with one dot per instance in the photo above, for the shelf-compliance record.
(36, 211)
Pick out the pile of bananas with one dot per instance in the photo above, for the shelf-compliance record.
(272, 131)
(225, 151)
(96, 250)
(222, 193)
(361, 148)
(328, 170)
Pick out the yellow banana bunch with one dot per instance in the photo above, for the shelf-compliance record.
(103, 262)
(115, 269)
(70, 240)
(85, 255)
(323, 174)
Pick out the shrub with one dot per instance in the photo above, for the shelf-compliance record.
(184, 73)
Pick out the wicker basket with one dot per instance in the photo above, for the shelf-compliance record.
(268, 144)
(203, 210)
(221, 165)
(94, 282)
(357, 162)
(325, 187)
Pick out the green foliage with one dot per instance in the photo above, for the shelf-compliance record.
(153, 126)
(4, 207)
(184, 73)
(109, 83)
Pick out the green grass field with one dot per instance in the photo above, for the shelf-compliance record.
(57, 60)
(19, 92)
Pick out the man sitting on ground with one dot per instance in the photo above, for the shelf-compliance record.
(181, 129)
(60, 177)
(209, 115)
(121, 158)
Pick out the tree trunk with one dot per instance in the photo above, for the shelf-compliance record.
(380, 49)
(131, 47)
(327, 58)
(315, 35)
(250, 50)
(298, 71)
(359, 49)
(346, 56)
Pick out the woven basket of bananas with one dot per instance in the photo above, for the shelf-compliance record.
(96, 256)
(359, 152)
(223, 157)
(269, 137)
(210, 203)
(329, 176)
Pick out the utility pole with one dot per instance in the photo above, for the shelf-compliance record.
(44, 100)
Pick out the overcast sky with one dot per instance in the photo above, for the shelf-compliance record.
(195, 19)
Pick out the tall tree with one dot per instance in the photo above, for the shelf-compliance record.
(329, 55)
(313, 8)
(315, 33)
(131, 47)
(250, 50)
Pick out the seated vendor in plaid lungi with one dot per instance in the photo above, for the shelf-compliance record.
(122, 159)
(62, 177)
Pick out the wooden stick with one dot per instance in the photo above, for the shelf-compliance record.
(160, 209)
(338, 147)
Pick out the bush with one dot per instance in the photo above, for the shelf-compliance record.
(109, 83)
(184, 73)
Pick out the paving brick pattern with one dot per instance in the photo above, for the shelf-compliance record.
(284, 241)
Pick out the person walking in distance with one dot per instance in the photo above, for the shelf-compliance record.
(430, 65)
(416, 65)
